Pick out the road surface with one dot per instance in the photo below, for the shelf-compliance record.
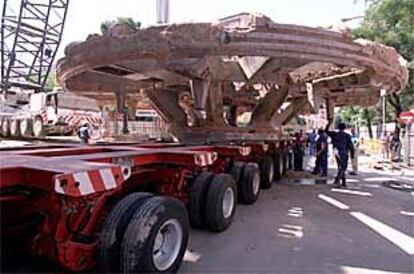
(294, 228)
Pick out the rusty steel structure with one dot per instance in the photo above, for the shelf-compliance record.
(202, 76)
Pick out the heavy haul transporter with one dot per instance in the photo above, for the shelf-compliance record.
(128, 207)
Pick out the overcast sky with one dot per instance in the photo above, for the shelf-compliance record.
(85, 16)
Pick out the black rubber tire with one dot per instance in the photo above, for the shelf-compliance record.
(247, 192)
(285, 160)
(5, 128)
(139, 238)
(1, 127)
(277, 165)
(113, 230)
(215, 219)
(266, 172)
(26, 127)
(40, 132)
(290, 157)
(15, 128)
(198, 196)
(236, 170)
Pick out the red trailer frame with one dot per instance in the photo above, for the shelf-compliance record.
(54, 199)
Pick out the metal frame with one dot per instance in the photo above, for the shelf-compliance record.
(30, 40)
(71, 213)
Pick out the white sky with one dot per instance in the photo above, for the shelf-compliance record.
(85, 16)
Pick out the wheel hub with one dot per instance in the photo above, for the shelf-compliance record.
(228, 202)
(256, 183)
(271, 172)
(167, 244)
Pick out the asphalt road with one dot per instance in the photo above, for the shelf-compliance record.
(294, 228)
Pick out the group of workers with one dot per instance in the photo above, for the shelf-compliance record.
(344, 144)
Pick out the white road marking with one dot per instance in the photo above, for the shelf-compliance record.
(295, 212)
(347, 191)
(407, 213)
(333, 202)
(291, 230)
(191, 256)
(371, 186)
(353, 187)
(376, 179)
(361, 270)
(296, 215)
(401, 240)
(295, 227)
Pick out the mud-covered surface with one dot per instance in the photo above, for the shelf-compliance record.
(201, 77)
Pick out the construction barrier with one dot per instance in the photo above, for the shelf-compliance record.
(371, 146)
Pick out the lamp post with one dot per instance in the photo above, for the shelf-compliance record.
(384, 126)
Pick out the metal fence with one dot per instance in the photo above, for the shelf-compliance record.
(157, 129)
(409, 145)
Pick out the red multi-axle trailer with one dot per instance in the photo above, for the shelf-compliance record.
(127, 207)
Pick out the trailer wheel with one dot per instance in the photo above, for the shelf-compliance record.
(221, 202)
(26, 127)
(1, 127)
(15, 127)
(290, 159)
(249, 184)
(113, 230)
(5, 128)
(198, 197)
(236, 170)
(38, 127)
(285, 161)
(156, 237)
(266, 172)
(276, 162)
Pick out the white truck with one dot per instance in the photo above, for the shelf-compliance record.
(45, 113)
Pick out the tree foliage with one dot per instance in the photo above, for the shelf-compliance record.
(51, 82)
(390, 22)
(134, 25)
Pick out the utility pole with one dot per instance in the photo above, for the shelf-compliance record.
(384, 125)
(163, 12)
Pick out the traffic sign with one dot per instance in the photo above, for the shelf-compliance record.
(407, 117)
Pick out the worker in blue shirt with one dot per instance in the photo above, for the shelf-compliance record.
(321, 163)
(342, 144)
(312, 143)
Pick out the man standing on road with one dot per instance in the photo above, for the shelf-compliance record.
(321, 163)
(298, 151)
(83, 134)
(342, 144)
(355, 142)
(312, 143)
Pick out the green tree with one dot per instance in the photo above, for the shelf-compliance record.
(391, 22)
(51, 81)
(360, 116)
(134, 25)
